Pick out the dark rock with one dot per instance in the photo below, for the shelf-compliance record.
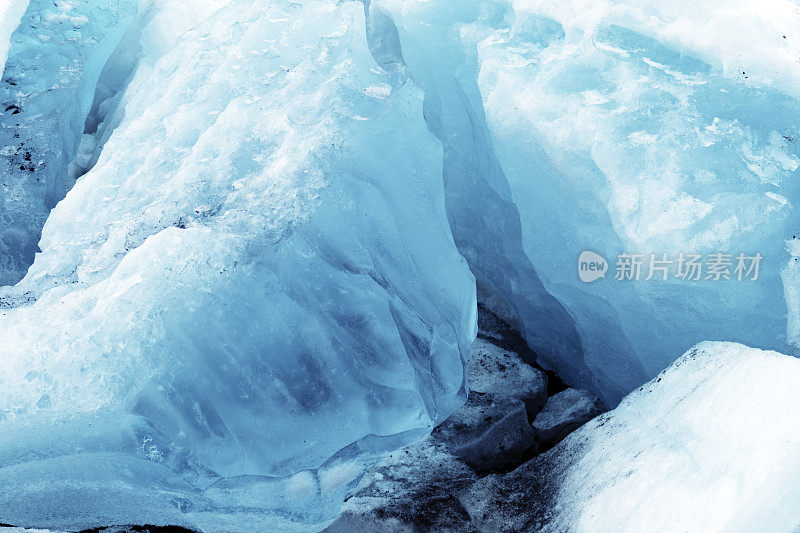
(414, 489)
(564, 413)
(525, 498)
(434, 485)
(491, 432)
(139, 529)
(496, 330)
(493, 369)
(515, 502)
(7, 528)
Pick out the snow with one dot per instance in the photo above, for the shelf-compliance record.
(711, 444)
(237, 301)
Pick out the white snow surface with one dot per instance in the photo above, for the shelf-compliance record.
(711, 444)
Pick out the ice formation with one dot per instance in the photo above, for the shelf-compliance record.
(622, 127)
(11, 12)
(710, 444)
(238, 237)
(236, 303)
(48, 83)
(482, 213)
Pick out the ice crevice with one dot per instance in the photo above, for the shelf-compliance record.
(247, 290)
(489, 236)
(55, 59)
(105, 112)
(613, 135)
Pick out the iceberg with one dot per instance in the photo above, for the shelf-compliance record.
(251, 293)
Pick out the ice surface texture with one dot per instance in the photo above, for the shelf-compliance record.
(656, 127)
(56, 56)
(482, 214)
(708, 444)
(241, 287)
(11, 12)
(260, 279)
(711, 443)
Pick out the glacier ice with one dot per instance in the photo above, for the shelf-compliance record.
(240, 239)
(11, 12)
(236, 304)
(626, 127)
(482, 213)
(56, 55)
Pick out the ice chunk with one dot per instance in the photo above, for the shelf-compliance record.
(791, 286)
(253, 289)
(617, 142)
(627, 127)
(155, 30)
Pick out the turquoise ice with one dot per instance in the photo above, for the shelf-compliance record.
(627, 128)
(243, 242)
(53, 64)
(236, 307)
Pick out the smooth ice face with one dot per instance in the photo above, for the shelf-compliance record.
(621, 128)
(254, 280)
(711, 444)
